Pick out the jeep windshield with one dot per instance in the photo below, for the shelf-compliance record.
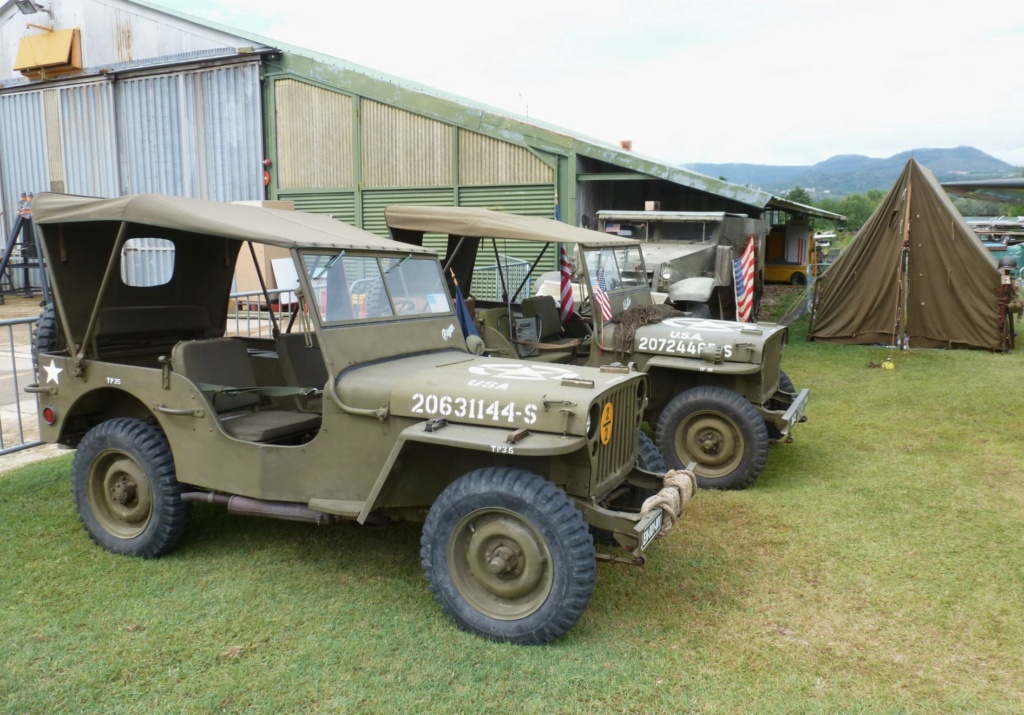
(616, 270)
(348, 286)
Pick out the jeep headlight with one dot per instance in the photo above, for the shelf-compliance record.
(666, 273)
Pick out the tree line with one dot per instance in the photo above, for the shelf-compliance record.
(858, 207)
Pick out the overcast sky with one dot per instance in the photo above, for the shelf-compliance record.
(781, 82)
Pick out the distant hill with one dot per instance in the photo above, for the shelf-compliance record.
(845, 174)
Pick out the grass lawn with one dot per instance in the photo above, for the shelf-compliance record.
(875, 567)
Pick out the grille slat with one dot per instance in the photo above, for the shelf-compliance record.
(616, 458)
(771, 363)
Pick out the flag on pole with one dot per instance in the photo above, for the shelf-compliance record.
(462, 311)
(566, 302)
(743, 275)
(601, 296)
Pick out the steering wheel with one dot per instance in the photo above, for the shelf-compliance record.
(405, 305)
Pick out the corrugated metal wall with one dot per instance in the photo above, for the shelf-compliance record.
(314, 136)
(89, 140)
(484, 160)
(374, 203)
(196, 134)
(524, 200)
(23, 157)
(400, 148)
(340, 205)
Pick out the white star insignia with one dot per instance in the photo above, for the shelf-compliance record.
(53, 372)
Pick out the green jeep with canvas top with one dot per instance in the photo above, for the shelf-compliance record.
(718, 395)
(367, 407)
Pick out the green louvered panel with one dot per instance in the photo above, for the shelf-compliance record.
(376, 200)
(340, 205)
(525, 200)
(531, 200)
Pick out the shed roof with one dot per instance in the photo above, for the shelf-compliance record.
(500, 123)
(288, 229)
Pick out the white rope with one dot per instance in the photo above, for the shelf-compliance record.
(680, 486)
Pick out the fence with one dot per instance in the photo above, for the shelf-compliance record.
(487, 279)
(19, 422)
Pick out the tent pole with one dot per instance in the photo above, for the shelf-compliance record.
(901, 305)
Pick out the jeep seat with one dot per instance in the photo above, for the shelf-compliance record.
(543, 307)
(302, 365)
(225, 362)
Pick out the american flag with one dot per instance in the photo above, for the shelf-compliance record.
(568, 305)
(743, 273)
(601, 296)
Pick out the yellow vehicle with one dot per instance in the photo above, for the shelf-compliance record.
(792, 254)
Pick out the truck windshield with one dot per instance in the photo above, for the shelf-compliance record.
(349, 287)
(617, 269)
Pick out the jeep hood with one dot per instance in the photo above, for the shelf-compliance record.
(468, 389)
(712, 340)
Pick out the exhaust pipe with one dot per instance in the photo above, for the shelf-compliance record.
(246, 506)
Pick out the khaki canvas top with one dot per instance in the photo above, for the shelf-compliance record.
(482, 223)
(288, 229)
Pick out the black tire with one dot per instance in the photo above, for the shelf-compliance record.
(535, 559)
(785, 384)
(125, 489)
(44, 334)
(798, 279)
(650, 457)
(719, 430)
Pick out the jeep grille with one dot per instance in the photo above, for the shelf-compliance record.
(771, 363)
(612, 461)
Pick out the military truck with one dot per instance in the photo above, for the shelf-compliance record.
(368, 407)
(718, 393)
(689, 255)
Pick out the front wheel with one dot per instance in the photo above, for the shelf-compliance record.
(719, 430)
(508, 556)
(125, 489)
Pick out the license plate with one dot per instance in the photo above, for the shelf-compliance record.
(652, 530)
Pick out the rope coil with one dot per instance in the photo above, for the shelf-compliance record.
(680, 486)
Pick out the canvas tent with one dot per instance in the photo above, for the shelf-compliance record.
(914, 275)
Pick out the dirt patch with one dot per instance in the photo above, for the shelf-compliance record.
(780, 301)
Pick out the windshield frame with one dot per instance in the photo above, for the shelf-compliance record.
(379, 286)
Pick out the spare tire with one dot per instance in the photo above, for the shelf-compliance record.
(44, 334)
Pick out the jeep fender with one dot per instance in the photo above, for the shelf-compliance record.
(471, 437)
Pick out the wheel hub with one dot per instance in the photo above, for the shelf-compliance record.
(124, 492)
(710, 442)
(502, 560)
(500, 564)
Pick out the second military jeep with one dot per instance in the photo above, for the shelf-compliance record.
(367, 406)
(718, 395)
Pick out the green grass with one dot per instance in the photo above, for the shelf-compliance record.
(875, 567)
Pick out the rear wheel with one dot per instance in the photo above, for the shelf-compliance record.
(508, 556)
(798, 279)
(125, 490)
(719, 430)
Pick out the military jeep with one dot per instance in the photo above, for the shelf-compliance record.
(367, 406)
(718, 394)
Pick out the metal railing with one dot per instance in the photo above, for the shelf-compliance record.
(249, 314)
(19, 412)
(487, 281)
